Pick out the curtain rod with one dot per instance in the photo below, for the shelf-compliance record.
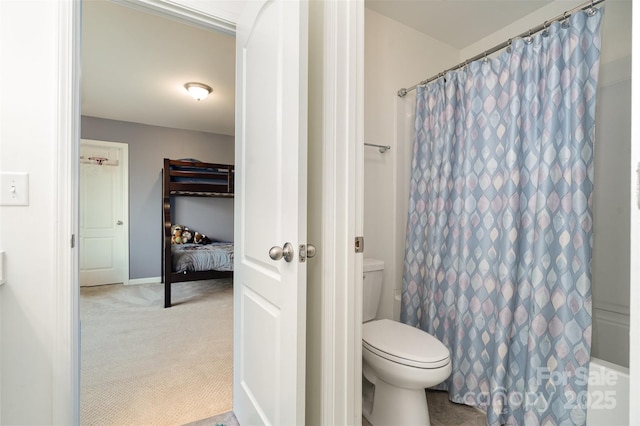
(587, 5)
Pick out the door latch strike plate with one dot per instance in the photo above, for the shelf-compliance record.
(303, 253)
(359, 244)
(638, 185)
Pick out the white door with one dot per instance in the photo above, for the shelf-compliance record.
(270, 210)
(103, 199)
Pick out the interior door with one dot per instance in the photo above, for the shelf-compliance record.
(102, 244)
(270, 211)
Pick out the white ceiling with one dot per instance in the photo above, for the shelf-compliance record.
(134, 67)
(458, 23)
(134, 64)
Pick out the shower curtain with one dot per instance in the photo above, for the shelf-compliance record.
(499, 233)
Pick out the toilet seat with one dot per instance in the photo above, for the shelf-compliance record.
(404, 344)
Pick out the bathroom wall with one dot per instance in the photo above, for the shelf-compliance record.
(611, 207)
(396, 56)
(616, 29)
(611, 215)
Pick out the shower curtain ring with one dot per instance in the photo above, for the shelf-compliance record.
(528, 38)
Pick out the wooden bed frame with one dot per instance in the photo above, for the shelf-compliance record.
(216, 183)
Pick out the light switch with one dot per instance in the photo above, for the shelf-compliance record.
(14, 189)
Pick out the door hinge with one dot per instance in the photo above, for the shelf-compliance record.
(359, 244)
(73, 240)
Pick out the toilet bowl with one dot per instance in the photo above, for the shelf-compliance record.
(399, 360)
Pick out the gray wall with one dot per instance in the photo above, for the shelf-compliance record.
(148, 145)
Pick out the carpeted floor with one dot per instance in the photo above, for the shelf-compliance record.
(146, 365)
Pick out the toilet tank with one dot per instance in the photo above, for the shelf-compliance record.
(372, 287)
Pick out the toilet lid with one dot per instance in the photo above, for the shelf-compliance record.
(404, 344)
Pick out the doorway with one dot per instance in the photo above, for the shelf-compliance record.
(340, 136)
(157, 365)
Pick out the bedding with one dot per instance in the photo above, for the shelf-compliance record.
(216, 256)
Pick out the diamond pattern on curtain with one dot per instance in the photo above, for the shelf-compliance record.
(499, 233)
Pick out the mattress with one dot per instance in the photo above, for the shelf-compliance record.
(216, 256)
(206, 175)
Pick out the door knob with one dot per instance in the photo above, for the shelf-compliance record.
(277, 253)
(311, 250)
(119, 222)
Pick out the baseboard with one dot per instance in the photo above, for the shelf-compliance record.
(150, 280)
(610, 339)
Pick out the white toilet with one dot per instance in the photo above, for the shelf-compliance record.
(399, 360)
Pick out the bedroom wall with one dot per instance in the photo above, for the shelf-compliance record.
(148, 146)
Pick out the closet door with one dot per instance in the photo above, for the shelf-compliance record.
(270, 213)
(104, 243)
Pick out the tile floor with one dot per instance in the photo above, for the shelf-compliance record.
(446, 413)
(441, 411)
(224, 419)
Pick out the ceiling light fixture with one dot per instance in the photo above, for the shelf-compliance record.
(199, 91)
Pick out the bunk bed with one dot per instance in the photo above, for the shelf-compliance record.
(193, 178)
